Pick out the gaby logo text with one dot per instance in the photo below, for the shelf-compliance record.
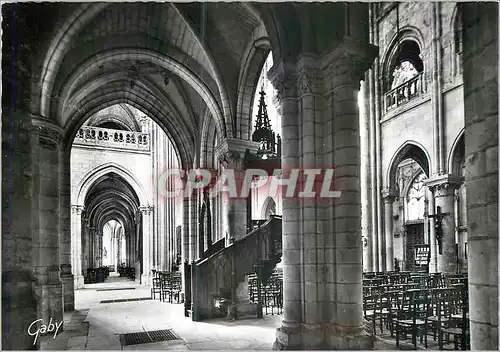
(33, 331)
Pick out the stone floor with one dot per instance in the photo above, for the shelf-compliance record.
(97, 326)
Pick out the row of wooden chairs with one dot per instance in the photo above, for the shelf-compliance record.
(96, 275)
(436, 304)
(126, 271)
(167, 285)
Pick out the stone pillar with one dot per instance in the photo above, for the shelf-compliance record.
(19, 306)
(480, 76)
(19, 218)
(91, 244)
(389, 197)
(76, 237)
(344, 325)
(432, 231)
(66, 275)
(117, 250)
(48, 286)
(97, 247)
(147, 250)
(365, 181)
(443, 188)
(230, 153)
(193, 227)
(185, 231)
(322, 245)
(289, 334)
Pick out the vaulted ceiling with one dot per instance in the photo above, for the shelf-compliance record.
(185, 65)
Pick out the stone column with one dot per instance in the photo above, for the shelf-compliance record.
(322, 245)
(365, 181)
(344, 325)
(481, 165)
(97, 248)
(389, 196)
(185, 231)
(90, 246)
(76, 238)
(66, 275)
(230, 153)
(147, 250)
(289, 334)
(48, 286)
(443, 188)
(193, 226)
(19, 226)
(433, 258)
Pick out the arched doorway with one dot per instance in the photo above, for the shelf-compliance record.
(405, 202)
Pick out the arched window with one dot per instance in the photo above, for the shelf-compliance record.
(406, 64)
(415, 201)
(403, 75)
(269, 208)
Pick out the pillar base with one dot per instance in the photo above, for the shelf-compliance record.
(68, 283)
(19, 310)
(146, 280)
(50, 303)
(79, 282)
(321, 337)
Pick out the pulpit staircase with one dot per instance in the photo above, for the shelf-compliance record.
(217, 285)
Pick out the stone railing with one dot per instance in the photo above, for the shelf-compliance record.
(404, 93)
(105, 137)
(224, 275)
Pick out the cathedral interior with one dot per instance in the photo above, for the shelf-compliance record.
(104, 102)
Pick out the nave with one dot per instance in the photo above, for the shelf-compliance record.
(99, 326)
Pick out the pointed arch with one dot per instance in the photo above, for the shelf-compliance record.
(457, 154)
(406, 33)
(94, 175)
(268, 208)
(409, 149)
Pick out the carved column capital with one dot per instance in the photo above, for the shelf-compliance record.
(308, 76)
(231, 152)
(389, 195)
(444, 185)
(231, 160)
(284, 79)
(347, 64)
(146, 210)
(49, 134)
(77, 209)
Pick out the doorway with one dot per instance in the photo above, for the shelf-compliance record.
(414, 236)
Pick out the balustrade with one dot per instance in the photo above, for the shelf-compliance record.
(404, 92)
(112, 138)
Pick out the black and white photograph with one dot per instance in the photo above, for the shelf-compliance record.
(253, 176)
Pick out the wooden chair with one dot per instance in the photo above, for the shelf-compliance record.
(413, 310)
(457, 319)
(166, 285)
(439, 307)
(156, 286)
(176, 287)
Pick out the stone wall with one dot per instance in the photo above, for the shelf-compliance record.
(481, 150)
(86, 159)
